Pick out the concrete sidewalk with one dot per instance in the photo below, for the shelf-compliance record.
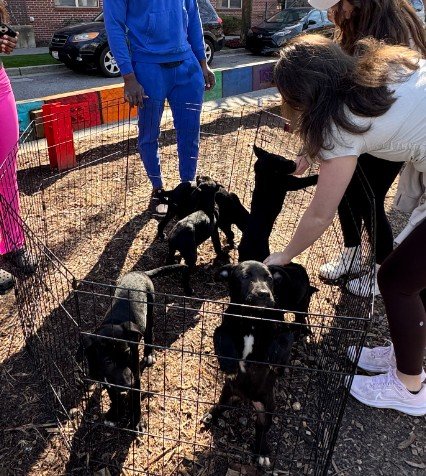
(261, 98)
(31, 51)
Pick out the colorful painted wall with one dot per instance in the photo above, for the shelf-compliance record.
(105, 105)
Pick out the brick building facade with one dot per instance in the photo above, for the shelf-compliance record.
(17, 11)
(46, 16)
(260, 9)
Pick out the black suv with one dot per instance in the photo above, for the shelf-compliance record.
(85, 46)
(273, 33)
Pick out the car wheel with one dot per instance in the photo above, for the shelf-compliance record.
(209, 48)
(107, 64)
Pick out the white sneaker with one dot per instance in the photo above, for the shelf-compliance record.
(362, 286)
(348, 262)
(387, 391)
(161, 208)
(377, 359)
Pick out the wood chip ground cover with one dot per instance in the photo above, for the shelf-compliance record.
(97, 233)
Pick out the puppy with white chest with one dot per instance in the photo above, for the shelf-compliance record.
(112, 351)
(253, 343)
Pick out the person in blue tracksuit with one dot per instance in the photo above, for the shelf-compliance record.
(159, 48)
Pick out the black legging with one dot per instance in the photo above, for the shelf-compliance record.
(372, 175)
(402, 282)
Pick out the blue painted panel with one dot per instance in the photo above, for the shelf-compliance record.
(24, 113)
(237, 81)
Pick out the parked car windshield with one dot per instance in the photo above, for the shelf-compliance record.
(289, 17)
(100, 17)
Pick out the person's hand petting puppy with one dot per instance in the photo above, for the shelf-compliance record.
(282, 259)
(8, 44)
(277, 259)
(302, 165)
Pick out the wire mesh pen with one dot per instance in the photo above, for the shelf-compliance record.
(89, 225)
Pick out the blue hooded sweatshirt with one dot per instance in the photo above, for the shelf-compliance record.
(155, 31)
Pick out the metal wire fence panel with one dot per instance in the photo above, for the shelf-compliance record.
(89, 225)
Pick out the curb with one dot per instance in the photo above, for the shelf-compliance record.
(28, 70)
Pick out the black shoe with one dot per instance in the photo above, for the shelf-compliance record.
(6, 281)
(22, 260)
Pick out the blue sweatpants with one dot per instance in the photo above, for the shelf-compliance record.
(183, 87)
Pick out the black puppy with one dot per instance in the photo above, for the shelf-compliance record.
(196, 228)
(181, 202)
(273, 180)
(292, 292)
(231, 212)
(112, 353)
(184, 200)
(253, 343)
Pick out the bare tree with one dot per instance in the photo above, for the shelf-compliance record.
(247, 8)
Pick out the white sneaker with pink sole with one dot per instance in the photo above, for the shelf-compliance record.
(387, 391)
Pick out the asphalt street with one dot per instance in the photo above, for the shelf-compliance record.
(64, 80)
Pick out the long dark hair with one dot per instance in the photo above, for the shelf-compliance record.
(322, 82)
(4, 16)
(392, 21)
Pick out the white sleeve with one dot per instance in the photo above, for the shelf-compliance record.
(342, 143)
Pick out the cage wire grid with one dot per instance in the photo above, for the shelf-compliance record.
(89, 225)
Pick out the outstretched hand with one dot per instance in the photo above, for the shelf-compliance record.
(302, 165)
(277, 259)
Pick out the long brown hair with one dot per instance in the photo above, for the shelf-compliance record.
(392, 21)
(4, 16)
(321, 81)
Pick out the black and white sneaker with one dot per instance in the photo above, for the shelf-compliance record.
(159, 206)
(6, 281)
(22, 260)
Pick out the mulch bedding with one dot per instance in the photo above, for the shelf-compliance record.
(95, 232)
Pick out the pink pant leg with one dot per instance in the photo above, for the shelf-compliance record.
(11, 233)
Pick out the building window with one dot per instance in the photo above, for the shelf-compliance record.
(231, 3)
(77, 3)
